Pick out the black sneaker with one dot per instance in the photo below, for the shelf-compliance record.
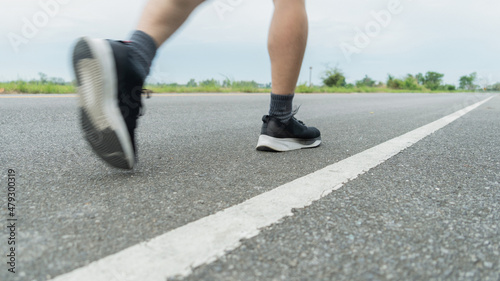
(280, 137)
(109, 91)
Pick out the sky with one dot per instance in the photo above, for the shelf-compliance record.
(228, 38)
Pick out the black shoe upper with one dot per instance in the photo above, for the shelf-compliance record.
(294, 128)
(130, 87)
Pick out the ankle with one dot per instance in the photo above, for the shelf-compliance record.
(281, 107)
(143, 50)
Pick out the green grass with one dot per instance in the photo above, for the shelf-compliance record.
(204, 89)
(36, 87)
(324, 89)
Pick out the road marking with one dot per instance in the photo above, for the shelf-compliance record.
(177, 252)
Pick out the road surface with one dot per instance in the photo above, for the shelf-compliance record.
(428, 212)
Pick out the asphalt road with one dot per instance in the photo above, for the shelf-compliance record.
(428, 213)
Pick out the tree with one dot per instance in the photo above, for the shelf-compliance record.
(394, 83)
(210, 83)
(467, 82)
(57, 80)
(411, 83)
(420, 79)
(43, 77)
(227, 83)
(432, 80)
(334, 77)
(448, 87)
(192, 83)
(245, 84)
(495, 87)
(366, 82)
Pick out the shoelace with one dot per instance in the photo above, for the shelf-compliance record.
(147, 93)
(295, 111)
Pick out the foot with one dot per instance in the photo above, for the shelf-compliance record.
(285, 136)
(109, 93)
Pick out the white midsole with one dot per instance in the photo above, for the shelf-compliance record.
(285, 144)
(111, 114)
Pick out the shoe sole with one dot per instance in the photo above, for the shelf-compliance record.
(268, 143)
(101, 119)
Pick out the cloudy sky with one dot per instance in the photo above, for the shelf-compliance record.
(362, 37)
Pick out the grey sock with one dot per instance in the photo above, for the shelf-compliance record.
(281, 107)
(143, 52)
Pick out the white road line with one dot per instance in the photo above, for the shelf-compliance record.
(175, 253)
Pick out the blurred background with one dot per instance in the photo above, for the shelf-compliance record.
(227, 39)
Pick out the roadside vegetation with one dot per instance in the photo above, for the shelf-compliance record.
(334, 81)
(44, 85)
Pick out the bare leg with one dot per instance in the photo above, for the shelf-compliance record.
(287, 44)
(161, 18)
